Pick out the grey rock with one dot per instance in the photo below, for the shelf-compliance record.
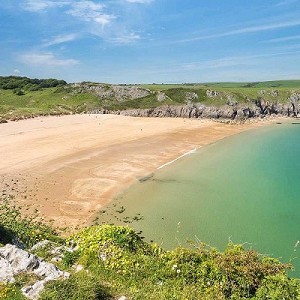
(20, 260)
(107, 91)
(78, 268)
(161, 96)
(6, 271)
(262, 92)
(191, 96)
(17, 242)
(40, 245)
(14, 261)
(212, 94)
(33, 291)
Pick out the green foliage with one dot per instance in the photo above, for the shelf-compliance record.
(19, 92)
(178, 94)
(10, 292)
(278, 287)
(243, 271)
(69, 258)
(91, 238)
(184, 273)
(25, 279)
(149, 101)
(80, 286)
(28, 230)
(19, 83)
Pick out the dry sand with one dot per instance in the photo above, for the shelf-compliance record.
(70, 167)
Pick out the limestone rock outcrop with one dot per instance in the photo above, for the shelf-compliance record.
(14, 261)
(118, 92)
(231, 111)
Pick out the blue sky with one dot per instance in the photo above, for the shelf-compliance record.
(146, 41)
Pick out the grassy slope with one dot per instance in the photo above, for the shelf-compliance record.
(64, 100)
(45, 101)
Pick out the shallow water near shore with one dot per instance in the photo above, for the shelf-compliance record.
(245, 188)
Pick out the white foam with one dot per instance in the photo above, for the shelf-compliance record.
(181, 156)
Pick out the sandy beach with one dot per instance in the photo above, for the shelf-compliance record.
(70, 167)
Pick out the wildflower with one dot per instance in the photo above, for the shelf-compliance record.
(174, 267)
(178, 271)
(103, 257)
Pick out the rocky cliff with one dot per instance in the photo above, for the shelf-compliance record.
(231, 111)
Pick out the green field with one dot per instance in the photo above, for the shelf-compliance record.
(295, 84)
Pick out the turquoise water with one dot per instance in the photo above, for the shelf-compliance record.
(244, 188)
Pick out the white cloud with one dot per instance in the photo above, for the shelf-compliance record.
(226, 62)
(140, 1)
(95, 14)
(60, 39)
(91, 12)
(126, 39)
(45, 59)
(17, 71)
(284, 39)
(40, 5)
(251, 29)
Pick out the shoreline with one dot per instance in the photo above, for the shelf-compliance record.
(69, 168)
(178, 158)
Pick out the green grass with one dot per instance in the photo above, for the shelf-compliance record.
(295, 84)
(45, 101)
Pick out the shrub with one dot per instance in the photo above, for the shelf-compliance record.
(278, 287)
(79, 286)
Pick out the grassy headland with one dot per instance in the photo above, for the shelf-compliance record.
(21, 97)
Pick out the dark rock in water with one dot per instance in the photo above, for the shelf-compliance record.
(3, 121)
(146, 178)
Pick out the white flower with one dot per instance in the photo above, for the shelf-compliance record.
(174, 267)
(178, 271)
(103, 257)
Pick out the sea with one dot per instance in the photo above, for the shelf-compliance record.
(243, 189)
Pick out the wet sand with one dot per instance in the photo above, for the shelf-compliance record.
(70, 167)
